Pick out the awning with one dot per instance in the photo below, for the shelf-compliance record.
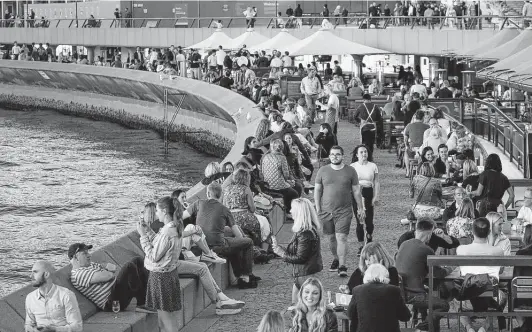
(324, 42)
(249, 38)
(280, 42)
(508, 49)
(500, 38)
(518, 58)
(214, 41)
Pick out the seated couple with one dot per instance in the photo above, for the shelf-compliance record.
(104, 284)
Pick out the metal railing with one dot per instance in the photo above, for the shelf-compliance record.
(507, 134)
(361, 21)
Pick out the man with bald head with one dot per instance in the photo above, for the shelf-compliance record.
(50, 307)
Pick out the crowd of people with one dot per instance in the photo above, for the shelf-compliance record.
(232, 224)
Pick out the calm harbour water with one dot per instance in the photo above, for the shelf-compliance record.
(66, 179)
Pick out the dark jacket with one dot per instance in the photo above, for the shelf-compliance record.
(263, 62)
(435, 242)
(357, 278)
(326, 142)
(377, 307)
(303, 252)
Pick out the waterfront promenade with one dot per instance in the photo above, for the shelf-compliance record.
(275, 288)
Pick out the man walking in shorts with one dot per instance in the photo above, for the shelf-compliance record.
(335, 183)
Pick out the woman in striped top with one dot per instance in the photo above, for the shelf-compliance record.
(368, 179)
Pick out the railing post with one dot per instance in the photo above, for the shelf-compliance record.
(496, 126)
(476, 115)
(511, 147)
(461, 114)
(489, 123)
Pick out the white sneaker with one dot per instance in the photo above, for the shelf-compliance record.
(291, 308)
(219, 259)
(482, 329)
(212, 259)
(229, 304)
(223, 312)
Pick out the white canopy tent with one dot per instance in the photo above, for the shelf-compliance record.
(280, 42)
(500, 38)
(507, 49)
(214, 41)
(510, 62)
(324, 42)
(249, 38)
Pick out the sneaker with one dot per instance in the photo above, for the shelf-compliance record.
(291, 308)
(342, 271)
(218, 258)
(144, 309)
(254, 277)
(423, 326)
(369, 238)
(212, 259)
(229, 304)
(482, 329)
(247, 285)
(223, 312)
(334, 266)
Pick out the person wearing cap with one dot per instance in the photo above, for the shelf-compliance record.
(50, 298)
(103, 285)
(370, 117)
(311, 88)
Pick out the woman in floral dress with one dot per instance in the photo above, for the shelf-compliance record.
(460, 226)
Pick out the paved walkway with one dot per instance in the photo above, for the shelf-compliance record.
(274, 291)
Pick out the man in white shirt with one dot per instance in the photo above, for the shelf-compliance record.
(51, 307)
(311, 88)
(287, 60)
(525, 212)
(333, 108)
(276, 61)
(481, 247)
(419, 88)
(220, 57)
(15, 51)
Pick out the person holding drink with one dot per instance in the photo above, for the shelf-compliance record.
(162, 255)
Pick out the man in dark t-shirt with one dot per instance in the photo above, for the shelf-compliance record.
(212, 216)
(411, 264)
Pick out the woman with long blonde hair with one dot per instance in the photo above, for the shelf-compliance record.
(271, 322)
(470, 175)
(311, 313)
(303, 251)
(372, 253)
(496, 237)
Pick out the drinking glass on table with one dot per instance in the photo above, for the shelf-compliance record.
(116, 308)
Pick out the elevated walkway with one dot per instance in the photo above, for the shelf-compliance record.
(398, 40)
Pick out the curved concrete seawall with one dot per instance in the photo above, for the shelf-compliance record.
(206, 107)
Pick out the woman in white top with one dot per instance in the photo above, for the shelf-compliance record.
(496, 237)
(368, 179)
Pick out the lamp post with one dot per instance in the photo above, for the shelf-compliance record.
(76, 13)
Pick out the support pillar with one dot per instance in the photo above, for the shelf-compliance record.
(434, 65)
(358, 65)
(90, 54)
(417, 61)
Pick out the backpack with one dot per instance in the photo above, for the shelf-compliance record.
(368, 124)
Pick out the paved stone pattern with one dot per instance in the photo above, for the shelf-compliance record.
(274, 291)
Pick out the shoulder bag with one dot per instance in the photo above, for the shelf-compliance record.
(410, 214)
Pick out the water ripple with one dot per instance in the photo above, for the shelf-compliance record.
(65, 179)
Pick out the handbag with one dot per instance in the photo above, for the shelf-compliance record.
(410, 213)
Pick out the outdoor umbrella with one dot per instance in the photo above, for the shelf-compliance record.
(500, 38)
(507, 49)
(249, 38)
(280, 42)
(214, 41)
(325, 42)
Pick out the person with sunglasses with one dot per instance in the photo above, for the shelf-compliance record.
(104, 284)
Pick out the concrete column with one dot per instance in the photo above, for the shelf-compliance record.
(434, 64)
(358, 64)
(417, 61)
(90, 54)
